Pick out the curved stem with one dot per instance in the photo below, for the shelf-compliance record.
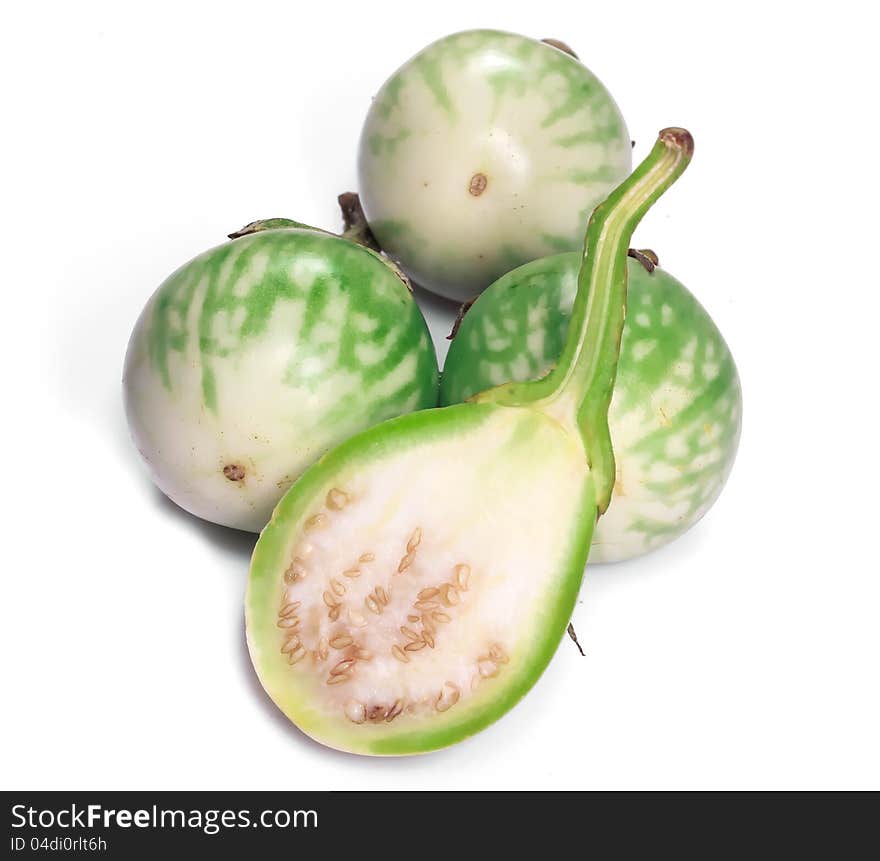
(271, 224)
(578, 390)
(561, 46)
(462, 310)
(649, 260)
(574, 638)
(357, 231)
(588, 364)
(354, 221)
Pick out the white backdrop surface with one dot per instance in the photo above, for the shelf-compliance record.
(137, 135)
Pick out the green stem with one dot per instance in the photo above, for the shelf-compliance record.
(357, 231)
(354, 221)
(578, 390)
(356, 228)
(561, 46)
(272, 224)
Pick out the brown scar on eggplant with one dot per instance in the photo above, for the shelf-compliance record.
(234, 472)
(478, 184)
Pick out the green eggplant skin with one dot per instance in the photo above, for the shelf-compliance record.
(258, 356)
(675, 414)
(484, 151)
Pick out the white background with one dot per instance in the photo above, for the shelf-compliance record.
(136, 135)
